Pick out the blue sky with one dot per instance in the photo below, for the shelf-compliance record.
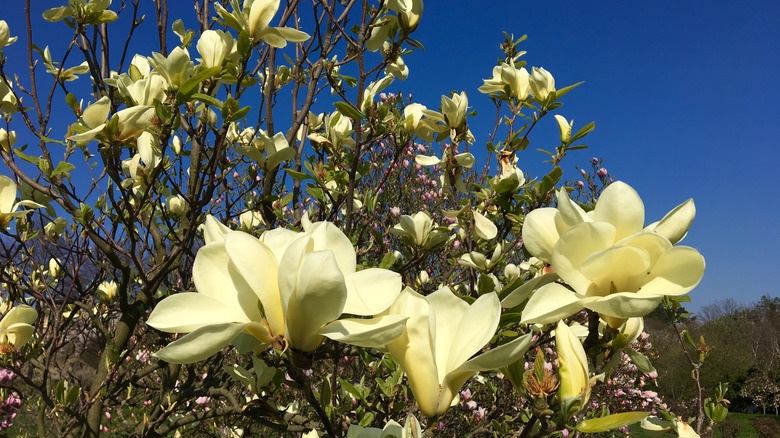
(684, 96)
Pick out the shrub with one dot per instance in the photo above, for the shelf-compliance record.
(766, 427)
(729, 428)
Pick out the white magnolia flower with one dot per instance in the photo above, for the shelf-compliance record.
(287, 289)
(437, 349)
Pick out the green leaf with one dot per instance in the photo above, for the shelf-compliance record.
(350, 389)
(298, 175)
(349, 110)
(583, 132)
(239, 114)
(190, 84)
(72, 102)
(610, 422)
(560, 93)
(642, 363)
(687, 338)
(208, 100)
(367, 419)
(63, 167)
(244, 45)
(51, 140)
(73, 394)
(325, 393)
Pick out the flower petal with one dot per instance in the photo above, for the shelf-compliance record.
(540, 233)
(371, 291)
(521, 293)
(216, 276)
(625, 304)
(188, 311)
(257, 265)
(7, 194)
(200, 344)
(676, 272)
(414, 351)
(674, 226)
(614, 267)
(327, 236)
(20, 314)
(574, 246)
(494, 358)
(552, 302)
(318, 299)
(621, 206)
(369, 333)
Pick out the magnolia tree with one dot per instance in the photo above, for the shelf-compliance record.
(246, 230)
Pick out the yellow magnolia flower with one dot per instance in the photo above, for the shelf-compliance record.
(419, 230)
(437, 349)
(7, 98)
(508, 78)
(131, 122)
(7, 139)
(287, 289)
(5, 35)
(175, 68)
(614, 265)
(255, 18)
(107, 291)
(572, 365)
(542, 83)
(215, 46)
(16, 328)
(8, 208)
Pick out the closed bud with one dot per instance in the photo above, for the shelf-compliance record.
(7, 139)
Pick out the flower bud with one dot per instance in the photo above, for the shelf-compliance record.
(107, 291)
(7, 139)
(542, 83)
(601, 173)
(176, 144)
(54, 267)
(177, 206)
(565, 128)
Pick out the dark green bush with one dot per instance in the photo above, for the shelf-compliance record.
(729, 428)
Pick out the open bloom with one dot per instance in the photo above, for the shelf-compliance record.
(16, 328)
(131, 122)
(5, 35)
(614, 265)
(287, 289)
(441, 336)
(507, 78)
(419, 229)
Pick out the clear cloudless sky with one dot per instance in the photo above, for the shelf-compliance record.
(684, 95)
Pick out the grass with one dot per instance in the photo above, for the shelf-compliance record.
(742, 419)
